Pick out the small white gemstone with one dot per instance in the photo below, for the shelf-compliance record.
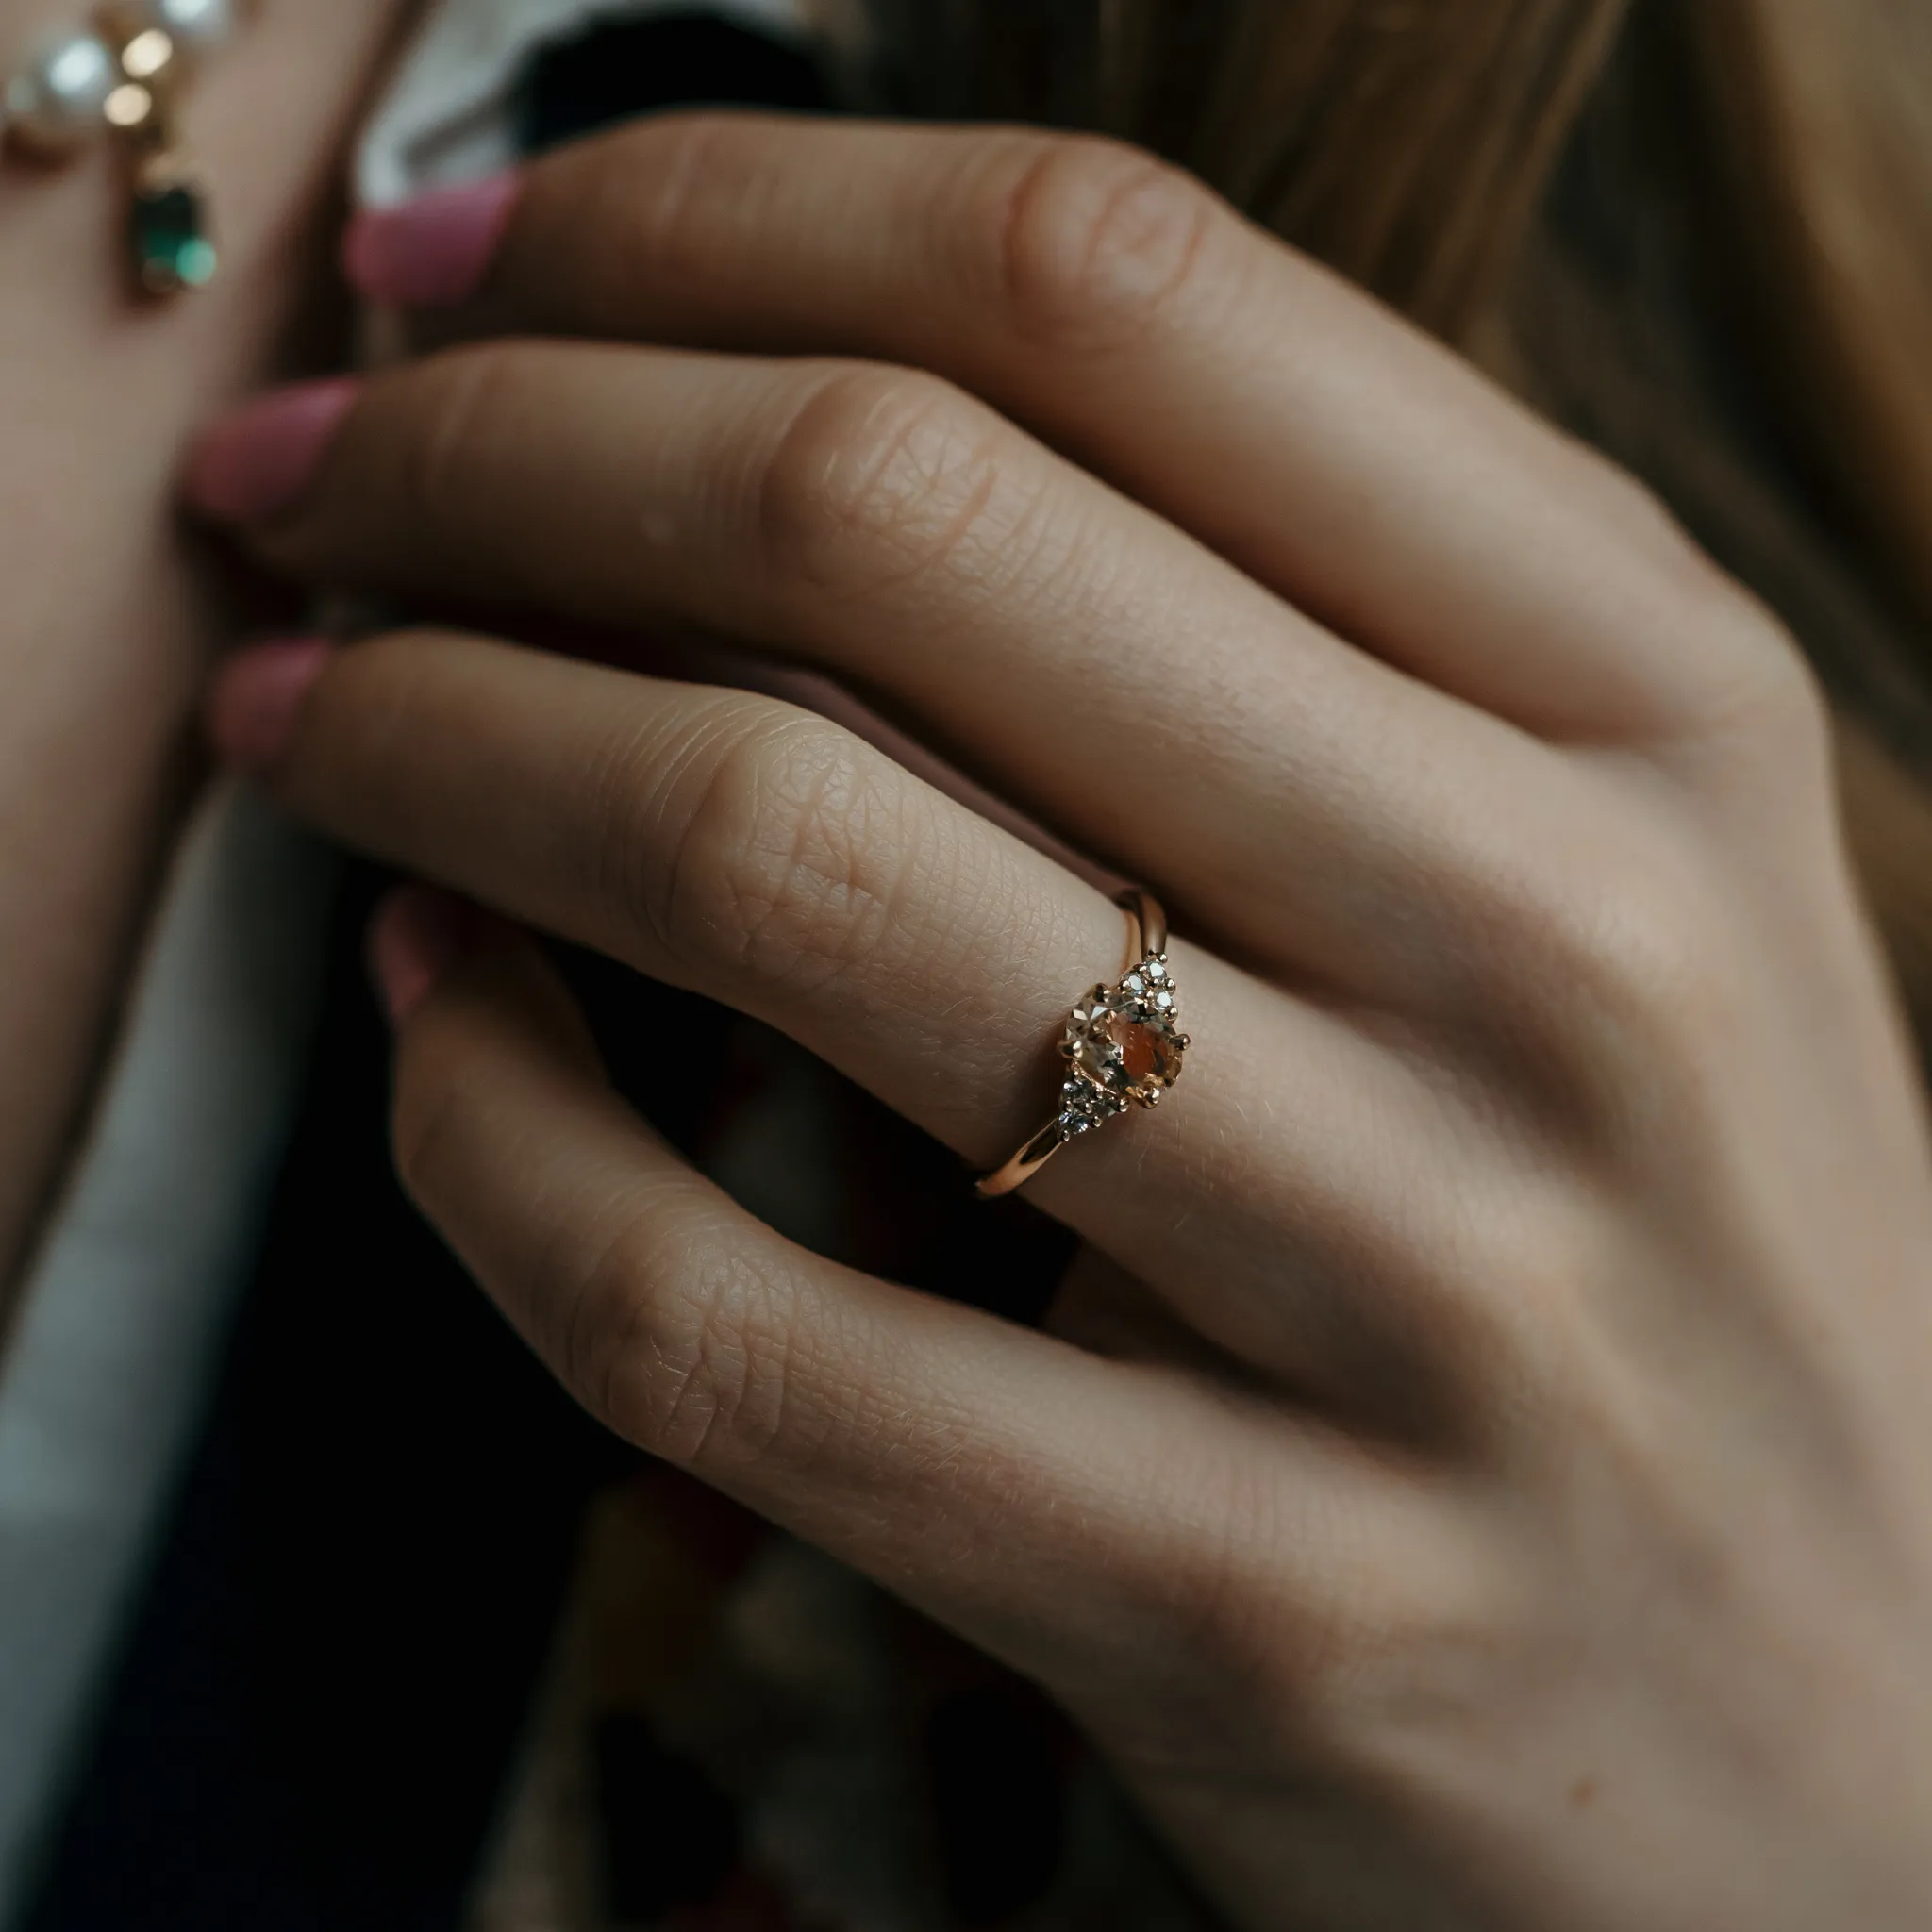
(1134, 983)
(54, 101)
(1155, 971)
(1163, 1000)
(147, 53)
(131, 105)
(199, 23)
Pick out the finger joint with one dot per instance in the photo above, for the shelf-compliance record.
(1097, 243)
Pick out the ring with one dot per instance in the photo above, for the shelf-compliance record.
(1121, 1045)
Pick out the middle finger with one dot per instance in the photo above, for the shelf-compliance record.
(1098, 664)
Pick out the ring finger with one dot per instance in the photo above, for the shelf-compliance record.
(757, 854)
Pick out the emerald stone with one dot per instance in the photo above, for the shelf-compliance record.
(171, 250)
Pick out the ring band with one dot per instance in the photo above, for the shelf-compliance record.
(1121, 1045)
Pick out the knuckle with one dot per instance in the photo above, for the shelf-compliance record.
(1743, 679)
(1637, 938)
(1628, 503)
(1758, 687)
(787, 856)
(649, 193)
(1621, 980)
(1096, 241)
(458, 392)
(1286, 1658)
(882, 476)
(685, 1345)
(1408, 1676)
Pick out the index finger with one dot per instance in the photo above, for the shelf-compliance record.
(1128, 316)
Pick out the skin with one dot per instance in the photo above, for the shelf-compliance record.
(1476, 1475)
(110, 620)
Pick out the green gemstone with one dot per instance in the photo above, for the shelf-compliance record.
(171, 250)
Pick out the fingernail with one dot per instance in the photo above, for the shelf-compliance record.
(256, 698)
(255, 463)
(419, 933)
(434, 250)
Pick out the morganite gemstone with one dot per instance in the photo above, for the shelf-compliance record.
(1143, 1053)
(1150, 1055)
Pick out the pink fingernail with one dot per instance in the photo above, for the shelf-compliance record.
(255, 463)
(419, 933)
(256, 698)
(434, 250)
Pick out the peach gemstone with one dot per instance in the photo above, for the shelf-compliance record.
(1147, 1057)
(1150, 1056)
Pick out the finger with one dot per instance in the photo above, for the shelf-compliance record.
(1039, 1500)
(728, 843)
(1126, 314)
(1102, 669)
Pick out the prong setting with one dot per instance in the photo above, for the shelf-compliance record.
(1122, 1048)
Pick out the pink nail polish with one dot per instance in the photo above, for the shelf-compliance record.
(419, 933)
(256, 698)
(253, 464)
(432, 251)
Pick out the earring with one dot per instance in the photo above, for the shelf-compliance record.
(124, 77)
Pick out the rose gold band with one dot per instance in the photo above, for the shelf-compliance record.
(1121, 1046)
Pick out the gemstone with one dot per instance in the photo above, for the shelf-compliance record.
(53, 102)
(1122, 1051)
(1148, 1059)
(1134, 983)
(200, 24)
(171, 250)
(1155, 971)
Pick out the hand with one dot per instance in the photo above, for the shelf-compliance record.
(1479, 1479)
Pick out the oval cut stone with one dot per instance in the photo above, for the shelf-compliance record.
(1115, 1044)
(1150, 1061)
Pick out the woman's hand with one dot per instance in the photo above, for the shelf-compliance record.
(1481, 1476)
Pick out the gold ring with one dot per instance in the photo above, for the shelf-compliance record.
(1121, 1044)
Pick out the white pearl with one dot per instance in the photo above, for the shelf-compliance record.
(54, 101)
(195, 25)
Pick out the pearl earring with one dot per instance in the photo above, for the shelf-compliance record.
(123, 75)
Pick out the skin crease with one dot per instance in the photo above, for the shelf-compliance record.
(1477, 1475)
(107, 626)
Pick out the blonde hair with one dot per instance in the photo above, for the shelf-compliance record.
(1692, 231)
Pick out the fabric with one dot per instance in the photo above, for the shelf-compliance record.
(446, 118)
(107, 1375)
